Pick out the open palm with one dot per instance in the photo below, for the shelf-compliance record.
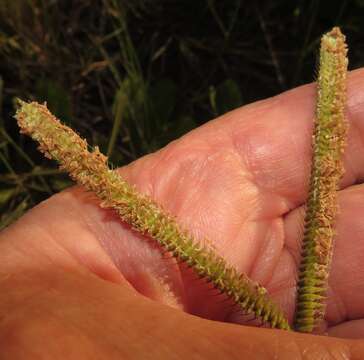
(238, 184)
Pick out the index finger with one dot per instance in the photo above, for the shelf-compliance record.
(273, 138)
(276, 143)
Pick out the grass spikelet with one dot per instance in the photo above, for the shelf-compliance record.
(90, 170)
(329, 141)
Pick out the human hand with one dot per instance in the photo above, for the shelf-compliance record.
(240, 181)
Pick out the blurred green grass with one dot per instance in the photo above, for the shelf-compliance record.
(131, 76)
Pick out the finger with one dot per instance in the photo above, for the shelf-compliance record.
(276, 141)
(346, 281)
(83, 316)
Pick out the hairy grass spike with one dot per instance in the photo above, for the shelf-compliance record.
(90, 170)
(329, 141)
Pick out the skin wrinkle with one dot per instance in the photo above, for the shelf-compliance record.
(263, 230)
(267, 255)
(249, 152)
(176, 168)
(197, 166)
(107, 271)
(267, 281)
(177, 171)
(249, 176)
(166, 187)
(290, 248)
(218, 188)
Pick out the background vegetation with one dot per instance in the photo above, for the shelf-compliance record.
(132, 75)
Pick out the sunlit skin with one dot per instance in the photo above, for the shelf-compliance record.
(71, 273)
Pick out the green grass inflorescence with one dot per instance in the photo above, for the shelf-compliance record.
(327, 169)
